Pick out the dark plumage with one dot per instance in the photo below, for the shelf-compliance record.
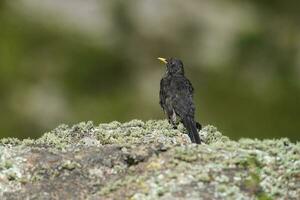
(176, 98)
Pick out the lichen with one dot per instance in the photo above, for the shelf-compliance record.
(147, 160)
(210, 134)
(70, 165)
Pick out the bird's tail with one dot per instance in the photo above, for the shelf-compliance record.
(191, 127)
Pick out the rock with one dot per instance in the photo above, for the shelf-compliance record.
(146, 160)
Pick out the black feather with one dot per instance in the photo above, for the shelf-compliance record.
(176, 98)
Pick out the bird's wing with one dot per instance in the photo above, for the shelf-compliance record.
(183, 97)
(190, 86)
(162, 93)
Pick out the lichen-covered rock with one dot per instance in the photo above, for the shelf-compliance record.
(146, 160)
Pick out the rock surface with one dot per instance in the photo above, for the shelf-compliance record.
(146, 160)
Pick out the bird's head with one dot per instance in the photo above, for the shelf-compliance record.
(174, 66)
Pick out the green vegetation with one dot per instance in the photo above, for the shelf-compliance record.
(146, 160)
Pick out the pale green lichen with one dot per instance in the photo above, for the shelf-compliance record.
(147, 160)
(210, 134)
(187, 154)
(11, 166)
(10, 141)
(70, 165)
(117, 184)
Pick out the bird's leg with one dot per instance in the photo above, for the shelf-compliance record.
(173, 120)
(198, 125)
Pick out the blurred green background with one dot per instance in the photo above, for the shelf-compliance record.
(71, 61)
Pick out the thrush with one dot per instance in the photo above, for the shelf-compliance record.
(176, 98)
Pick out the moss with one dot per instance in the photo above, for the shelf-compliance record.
(249, 162)
(134, 123)
(11, 176)
(117, 184)
(161, 191)
(154, 165)
(58, 138)
(28, 142)
(10, 141)
(187, 154)
(204, 177)
(264, 196)
(252, 183)
(111, 126)
(148, 160)
(70, 165)
(6, 164)
(210, 134)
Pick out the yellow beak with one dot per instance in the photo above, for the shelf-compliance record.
(163, 60)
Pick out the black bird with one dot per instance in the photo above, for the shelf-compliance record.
(176, 98)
